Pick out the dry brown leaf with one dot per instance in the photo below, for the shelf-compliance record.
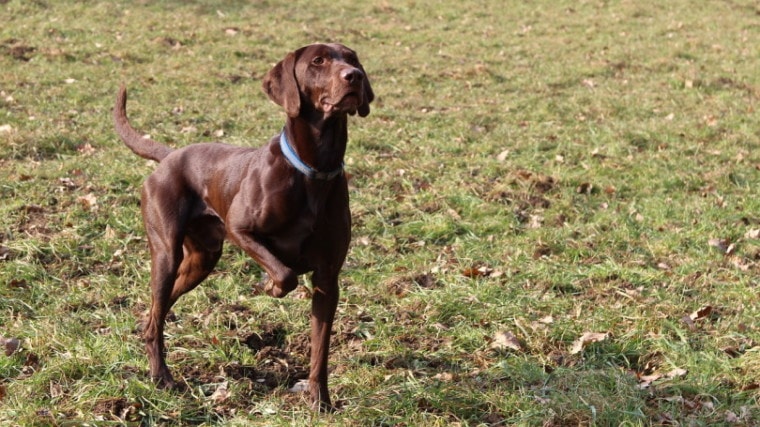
(548, 320)
(702, 313)
(221, 393)
(504, 340)
(722, 245)
(675, 373)
(86, 149)
(535, 221)
(587, 338)
(502, 156)
(741, 263)
(89, 202)
(10, 345)
(299, 387)
(646, 380)
(56, 390)
(444, 377)
(585, 188)
(5, 252)
(476, 272)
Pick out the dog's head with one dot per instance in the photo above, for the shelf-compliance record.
(329, 77)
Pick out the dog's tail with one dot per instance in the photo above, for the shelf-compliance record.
(141, 145)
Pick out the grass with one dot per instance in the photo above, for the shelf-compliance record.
(542, 169)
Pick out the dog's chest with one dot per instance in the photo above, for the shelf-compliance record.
(291, 237)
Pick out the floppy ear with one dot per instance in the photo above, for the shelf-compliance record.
(368, 95)
(281, 86)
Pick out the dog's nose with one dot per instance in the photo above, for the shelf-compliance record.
(352, 75)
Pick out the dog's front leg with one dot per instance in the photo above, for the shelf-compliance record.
(324, 302)
(282, 279)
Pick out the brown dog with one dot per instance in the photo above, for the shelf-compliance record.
(285, 204)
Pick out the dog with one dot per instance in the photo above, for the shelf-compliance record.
(285, 204)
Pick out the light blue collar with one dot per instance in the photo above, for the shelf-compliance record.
(301, 166)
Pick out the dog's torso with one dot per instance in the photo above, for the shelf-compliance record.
(218, 178)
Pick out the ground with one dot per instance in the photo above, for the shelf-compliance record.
(555, 206)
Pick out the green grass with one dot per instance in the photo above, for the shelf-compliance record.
(544, 168)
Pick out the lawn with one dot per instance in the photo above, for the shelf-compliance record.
(556, 213)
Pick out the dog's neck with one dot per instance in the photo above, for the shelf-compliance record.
(321, 144)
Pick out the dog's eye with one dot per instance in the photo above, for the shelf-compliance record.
(318, 60)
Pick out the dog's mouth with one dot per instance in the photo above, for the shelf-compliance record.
(346, 103)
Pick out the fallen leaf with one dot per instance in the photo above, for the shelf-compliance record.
(675, 373)
(722, 245)
(67, 183)
(475, 272)
(56, 390)
(221, 393)
(5, 253)
(504, 340)
(85, 149)
(741, 264)
(89, 202)
(502, 156)
(535, 221)
(548, 320)
(752, 234)
(646, 380)
(585, 188)
(541, 251)
(587, 338)
(10, 345)
(524, 174)
(702, 313)
(299, 387)
(444, 376)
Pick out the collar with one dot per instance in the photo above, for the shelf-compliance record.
(301, 166)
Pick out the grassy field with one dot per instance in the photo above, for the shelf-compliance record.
(556, 214)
